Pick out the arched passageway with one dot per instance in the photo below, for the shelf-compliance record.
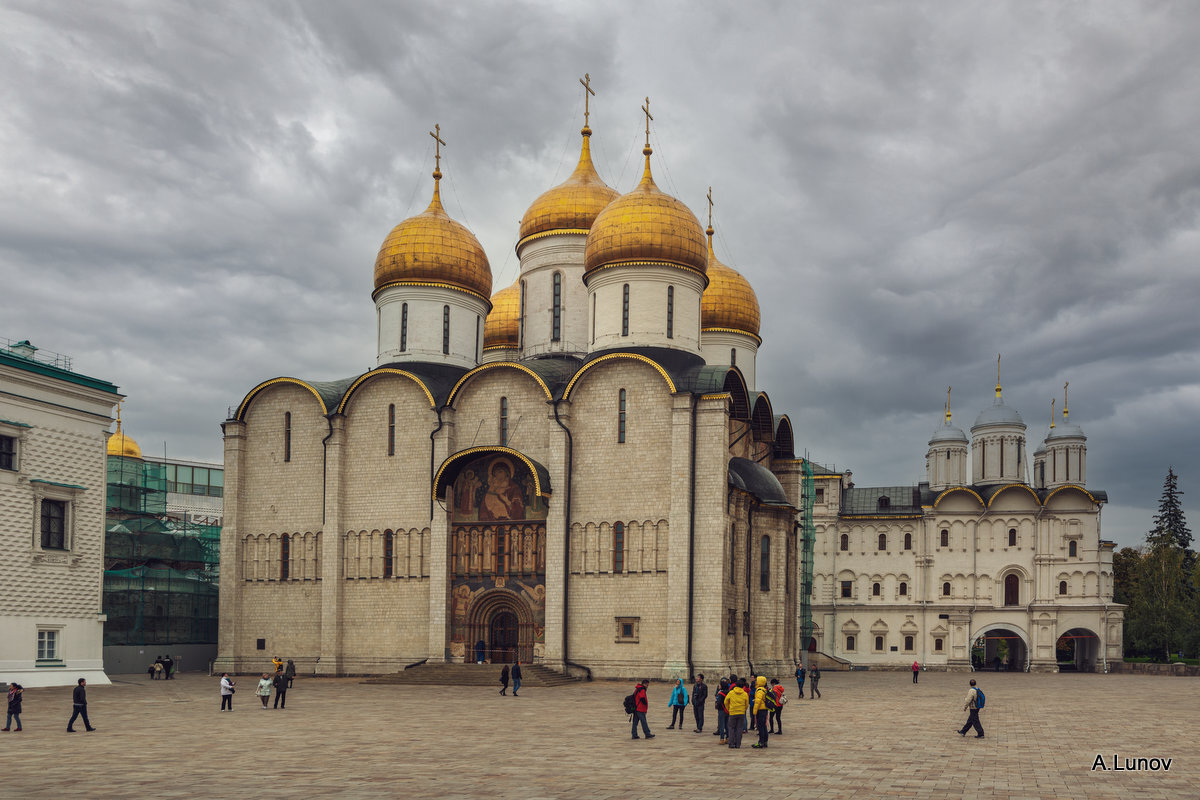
(1000, 649)
(1078, 650)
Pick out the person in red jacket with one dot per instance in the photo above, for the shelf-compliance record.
(641, 706)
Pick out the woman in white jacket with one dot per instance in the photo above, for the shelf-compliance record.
(227, 684)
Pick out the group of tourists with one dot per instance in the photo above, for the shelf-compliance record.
(281, 680)
(755, 703)
(163, 667)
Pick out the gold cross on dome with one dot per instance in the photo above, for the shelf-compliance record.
(437, 137)
(710, 205)
(586, 80)
(646, 109)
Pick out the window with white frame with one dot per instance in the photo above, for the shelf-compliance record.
(47, 645)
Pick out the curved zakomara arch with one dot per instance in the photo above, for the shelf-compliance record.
(241, 412)
(495, 600)
(762, 419)
(634, 356)
(1006, 487)
(375, 373)
(497, 365)
(953, 489)
(735, 385)
(1071, 486)
(538, 489)
(785, 440)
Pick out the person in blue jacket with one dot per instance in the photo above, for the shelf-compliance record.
(678, 702)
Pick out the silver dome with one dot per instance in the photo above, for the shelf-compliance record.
(948, 433)
(998, 414)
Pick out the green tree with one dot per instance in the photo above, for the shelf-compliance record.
(1160, 614)
(1126, 566)
(1170, 525)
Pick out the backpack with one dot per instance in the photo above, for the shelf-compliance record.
(630, 703)
(770, 700)
(980, 699)
(720, 704)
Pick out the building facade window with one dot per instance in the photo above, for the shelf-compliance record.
(391, 435)
(937, 645)
(478, 335)
(764, 565)
(621, 417)
(625, 310)
(876, 590)
(619, 547)
(47, 645)
(521, 319)
(285, 557)
(847, 588)
(844, 544)
(733, 356)
(670, 312)
(882, 545)
(878, 644)
(731, 622)
(445, 330)
(1012, 537)
(593, 339)
(821, 495)
(1062, 587)
(945, 538)
(287, 436)
(389, 554)
(556, 314)
(504, 422)
(54, 525)
(908, 644)
(908, 541)
(627, 629)
(850, 644)
(8, 452)
(733, 555)
(1072, 549)
(946, 589)
(903, 589)
(403, 327)
(1012, 590)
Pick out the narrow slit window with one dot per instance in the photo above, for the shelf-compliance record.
(503, 421)
(391, 436)
(521, 319)
(389, 554)
(403, 327)
(621, 417)
(556, 332)
(733, 356)
(670, 312)
(619, 547)
(764, 566)
(478, 334)
(287, 436)
(445, 330)
(285, 557)
(625, 311)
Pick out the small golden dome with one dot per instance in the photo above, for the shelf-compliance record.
(432, 248)
(121, 445)
(501, 330)
(729, 302)
(572, 205)
(646, 225)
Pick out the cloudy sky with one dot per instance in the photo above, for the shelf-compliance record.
(192, 196)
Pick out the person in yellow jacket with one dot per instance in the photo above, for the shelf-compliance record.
(736, 703)
(761, 710)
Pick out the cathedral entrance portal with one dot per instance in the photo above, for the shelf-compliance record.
(503, 638)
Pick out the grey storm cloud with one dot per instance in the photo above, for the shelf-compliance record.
(194, 193)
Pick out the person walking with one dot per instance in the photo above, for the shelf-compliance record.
(699, 698)
(678, 702)
(972, 705)
(168, 667)
(79, 699)
(504, 680)
(722, 714)
(280, 682)
(761, 710)
(15, 690)
(264, 689)
(814, 676)
(736, 703)
(227, 690)
(775, 722)
(516, 677)
(800, 675)
(289, 672)
(158, 668)
(916, 668)
(640, 706)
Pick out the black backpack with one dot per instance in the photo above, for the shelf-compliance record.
(630, 703)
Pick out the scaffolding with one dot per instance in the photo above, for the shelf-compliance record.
(808, 537)
(160, 576)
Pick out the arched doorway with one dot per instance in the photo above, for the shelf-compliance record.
(1077, 650)
(1000, 648)
(503, 637)
(503, 620)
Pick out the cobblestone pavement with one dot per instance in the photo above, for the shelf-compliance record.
(873, 734)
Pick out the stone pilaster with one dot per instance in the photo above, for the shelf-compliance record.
(439, 552)
(332, 564)
(678, 586)
(556, 520)
(230, 584)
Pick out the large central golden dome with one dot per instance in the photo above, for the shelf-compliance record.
(573, 205)
(501, 329)
(431, 248)
(729, 302)
(646, 226)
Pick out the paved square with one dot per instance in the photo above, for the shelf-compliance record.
(873, 734)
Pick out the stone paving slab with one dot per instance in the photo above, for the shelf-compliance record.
(873, 734)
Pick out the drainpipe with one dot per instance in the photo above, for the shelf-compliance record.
(325, 466)
(749, 554)
(692, 539)
(432, 466)
(567, 544)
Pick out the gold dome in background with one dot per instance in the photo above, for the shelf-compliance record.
(121, 445)
(729, 302)
(646, 225)
(432, 248)
(501, 330)
(572, 205)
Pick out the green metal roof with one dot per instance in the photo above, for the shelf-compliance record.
(19, 362)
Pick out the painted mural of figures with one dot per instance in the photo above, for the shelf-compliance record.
(462, 601)
(502, 498)
(467, 487)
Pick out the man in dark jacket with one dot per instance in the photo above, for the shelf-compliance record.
(281, 686)
(699, 698)
(516, 677)
(640, 706)
(79, 698)
(168, 667)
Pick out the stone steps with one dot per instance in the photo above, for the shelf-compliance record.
(471, 675)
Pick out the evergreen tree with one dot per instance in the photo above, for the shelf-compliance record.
(1170, 526)
(1160, 614)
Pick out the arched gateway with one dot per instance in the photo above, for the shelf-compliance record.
(497, 514)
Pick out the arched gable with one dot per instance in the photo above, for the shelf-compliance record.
(958, 490)
(762, 419)
(375, 373)
(785, 442)
(240, 416)
(500, 365)
(1011, 487)
(739, 395)
(1068, 490)
(586, 368)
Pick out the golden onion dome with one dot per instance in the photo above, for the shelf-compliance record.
(431, 248)
(501, 330)
(121, 445)
(646, 226)
(572, 206)
(729, 302)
